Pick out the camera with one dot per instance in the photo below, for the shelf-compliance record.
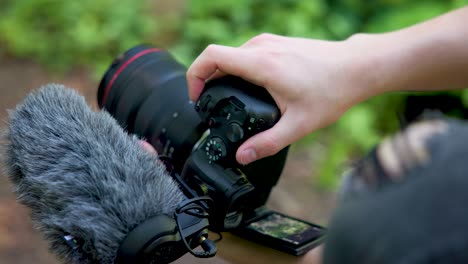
(145, 90)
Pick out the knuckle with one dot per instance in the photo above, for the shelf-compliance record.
(266, 36)
(192, 76)
(211, 49)
(262, 38)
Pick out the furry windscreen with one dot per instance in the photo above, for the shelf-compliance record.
(82, 175)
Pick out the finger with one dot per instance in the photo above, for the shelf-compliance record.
(269, 142)
(235, 61)
(217, 74)
(148, 147)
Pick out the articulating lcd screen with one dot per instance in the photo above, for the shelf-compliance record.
(287, 229)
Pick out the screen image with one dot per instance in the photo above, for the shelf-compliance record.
(287, 229)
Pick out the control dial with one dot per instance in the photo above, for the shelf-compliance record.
(215, 149)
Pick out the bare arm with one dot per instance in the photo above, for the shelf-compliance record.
(429, 56)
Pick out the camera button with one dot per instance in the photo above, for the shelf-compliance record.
(203, 103)
(235, 132)
(211, 122)
(260, 123)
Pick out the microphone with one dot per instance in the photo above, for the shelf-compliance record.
(88, 183)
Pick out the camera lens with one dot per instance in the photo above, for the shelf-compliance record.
(145, 89)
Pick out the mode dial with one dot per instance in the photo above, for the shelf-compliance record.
(215, 149)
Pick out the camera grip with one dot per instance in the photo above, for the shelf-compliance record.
(234, 110)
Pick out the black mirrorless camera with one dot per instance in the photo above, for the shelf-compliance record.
(145, 90)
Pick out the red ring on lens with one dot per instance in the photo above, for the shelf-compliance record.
(120, 70)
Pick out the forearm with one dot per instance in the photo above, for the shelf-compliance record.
(429, 56)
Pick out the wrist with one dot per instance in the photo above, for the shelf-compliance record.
(368, 57)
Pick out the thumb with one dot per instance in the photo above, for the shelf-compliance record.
(268, 142)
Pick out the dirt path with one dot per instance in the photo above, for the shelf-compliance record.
(21, 244)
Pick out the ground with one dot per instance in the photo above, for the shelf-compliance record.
(20, 243)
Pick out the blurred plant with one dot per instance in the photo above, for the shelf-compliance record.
(61, 34)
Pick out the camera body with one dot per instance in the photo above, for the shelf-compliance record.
(145, 90)
(233, 110)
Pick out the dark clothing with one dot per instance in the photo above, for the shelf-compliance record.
(420, 219)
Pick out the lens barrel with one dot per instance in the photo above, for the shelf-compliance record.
(145, 89)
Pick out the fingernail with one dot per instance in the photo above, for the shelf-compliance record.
(148, 147)
(248, 156)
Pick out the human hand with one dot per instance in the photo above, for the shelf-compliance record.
(313, 83)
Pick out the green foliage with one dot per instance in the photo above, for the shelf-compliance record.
(65, 33)
(62, 34)
(398, 16)
(361, 128)
(232, 22)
